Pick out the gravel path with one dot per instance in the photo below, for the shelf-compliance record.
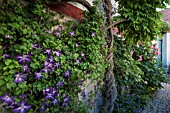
(161, 102)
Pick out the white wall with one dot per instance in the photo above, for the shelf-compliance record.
(166, 50)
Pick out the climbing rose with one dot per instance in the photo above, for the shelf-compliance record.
(131, 52)
(140, 58)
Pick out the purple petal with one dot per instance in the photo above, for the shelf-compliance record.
(16, 109)
(27, 107)
(25, 68)
(23, 102)
(48, 51)
(55, 102)
(38, 75)
(57, 33)
(93, 34)
(58, 53)
(22, 110)
(72, 33)
(59, 28)
(67, 73)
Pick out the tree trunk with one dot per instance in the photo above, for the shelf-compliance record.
(109, 81)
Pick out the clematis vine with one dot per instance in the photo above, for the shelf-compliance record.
(22, 107)
(23, 59)
(19, 77)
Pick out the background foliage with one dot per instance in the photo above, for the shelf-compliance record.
(137, 73)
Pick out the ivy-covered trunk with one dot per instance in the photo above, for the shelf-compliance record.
(109, 81)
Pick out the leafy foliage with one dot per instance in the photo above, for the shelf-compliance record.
(45, 68)
(137, 73)
(143, 21)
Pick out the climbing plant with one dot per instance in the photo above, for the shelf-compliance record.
(44, 70)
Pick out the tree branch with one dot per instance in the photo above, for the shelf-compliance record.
(117, 22)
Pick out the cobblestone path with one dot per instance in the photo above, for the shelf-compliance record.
(160, 102)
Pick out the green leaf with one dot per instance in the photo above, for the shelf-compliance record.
(2, 82)
(7, 62)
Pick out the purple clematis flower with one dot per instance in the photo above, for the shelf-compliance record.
(25, 68)
(38, 75)
(19, 77)
(24, 58)
(78, 61)
(93, 34)
(36, 35)
(48, 52)
(91, 104)
(23, 96)
(59, 28)
(127, 102)
(82, 55)
(67, 73)
(51, 59)
(57, 65)
(8, 37)
(77, 44)
(7, 99)
(22, 108)
(55, 102)
(83, 94)
(46, 70)
(60, 83)
(43, 108)
(58, 53)
(72, 33)
(57, 33)
(48, 64)
(66, 101)
(50, 96)
(47, 90)
(6, 56)
(12, 105)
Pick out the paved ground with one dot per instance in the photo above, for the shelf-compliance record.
(161, 102)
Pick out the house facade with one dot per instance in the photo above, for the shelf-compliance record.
(164, 43)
